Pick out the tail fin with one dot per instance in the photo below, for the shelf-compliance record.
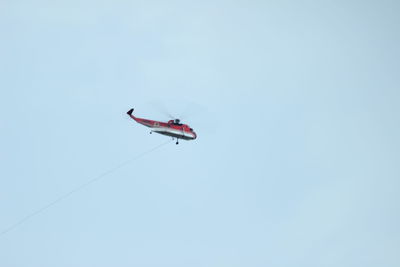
(130, 112)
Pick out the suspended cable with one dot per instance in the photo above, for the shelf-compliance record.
(78, 188)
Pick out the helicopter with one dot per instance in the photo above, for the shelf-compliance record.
(173, 128)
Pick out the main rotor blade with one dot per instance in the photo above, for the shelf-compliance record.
(163, 110)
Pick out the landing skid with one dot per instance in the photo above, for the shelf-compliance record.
(177, 140)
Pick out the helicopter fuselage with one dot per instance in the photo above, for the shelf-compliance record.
(171, 128)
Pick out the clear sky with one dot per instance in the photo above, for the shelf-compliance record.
(296, 107)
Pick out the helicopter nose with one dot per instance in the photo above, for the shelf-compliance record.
(194, 135)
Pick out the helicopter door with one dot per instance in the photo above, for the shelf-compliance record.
(183, 131)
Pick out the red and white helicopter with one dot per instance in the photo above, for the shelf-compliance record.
(171, 128)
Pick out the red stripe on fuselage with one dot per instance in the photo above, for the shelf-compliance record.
(151, 123)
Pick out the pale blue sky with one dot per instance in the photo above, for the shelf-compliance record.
(296, 105)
